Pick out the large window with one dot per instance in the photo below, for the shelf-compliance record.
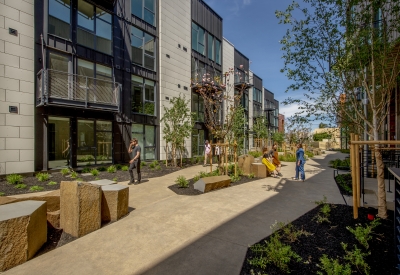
(95, 27)
(144, 9)
(146, 136)
(143, 49)
(143, 96)
(198, 107)
(198, 35)
(197, 142)
(59, 148)
(210, 47)
(257, 95)
(60, 18)
(218, 51)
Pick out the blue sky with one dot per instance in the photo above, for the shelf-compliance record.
(252, 27)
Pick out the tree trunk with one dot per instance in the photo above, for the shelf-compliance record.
(382, 207)
(173, 154)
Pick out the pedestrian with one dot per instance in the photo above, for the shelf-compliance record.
(217, 152)
(67, 151)
(135, 149)
(267, 161)
(300, 161)
(207, 152)
(275, 158)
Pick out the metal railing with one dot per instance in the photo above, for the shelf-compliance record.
(202, 75)
(61, 88)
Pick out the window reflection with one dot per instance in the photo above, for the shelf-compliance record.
(144, 9)
(139, 41)
(60, 18)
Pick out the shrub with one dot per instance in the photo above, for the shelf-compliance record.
(125, 168)
(182, 182)
(52, 183)
(333, 267)
(324, 212)
(287, 158)
(36, 188)
(363, 234)
(158, 167)
(79, 179)
(345, 151)
(251, 176)
(2, 194)
(102, 168)
(115, 179)
(235, 179)
(196, 178)
(357, 258)
(309, 154)
(20, 186)
(42, 177)
(118, 166)
(144, 163)
(335, 163)
(111, 169)
(86, 170)
(14, 179)
(274, 252)
(94, 172)
(203, 174)
(65, 171)
(255, 154)
(74, 175)
(153, 164)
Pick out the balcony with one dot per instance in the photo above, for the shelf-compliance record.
(207, 77)
(58, 88)
(242, 80)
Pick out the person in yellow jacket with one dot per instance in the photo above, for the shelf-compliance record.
(267, 161)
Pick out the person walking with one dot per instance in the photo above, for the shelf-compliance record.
(207, 152)
(300, 160)
(275, 159)
(135, 149)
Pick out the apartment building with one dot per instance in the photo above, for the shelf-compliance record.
(80, 78)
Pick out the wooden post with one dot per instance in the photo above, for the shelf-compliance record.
(353, 176)
(372, 161)
(357, 170)
(166, 157)
(226, 159)
(235, 157)
(211, 156)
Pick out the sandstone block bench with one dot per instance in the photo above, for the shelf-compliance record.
(114, 203)
(23, 230)
(210, 183)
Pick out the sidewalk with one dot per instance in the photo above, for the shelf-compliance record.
(206, 234)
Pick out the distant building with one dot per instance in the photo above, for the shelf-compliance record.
(281, 123)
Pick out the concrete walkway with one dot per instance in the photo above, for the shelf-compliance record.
(167, 233)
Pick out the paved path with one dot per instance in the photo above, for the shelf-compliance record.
(206, 234)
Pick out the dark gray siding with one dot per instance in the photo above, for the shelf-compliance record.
(203, 15)
(241, 59)
(257, 82)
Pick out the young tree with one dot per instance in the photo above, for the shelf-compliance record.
(238, 128)
(278, 137)
(178, 124)
(344, 55)
(260, 128)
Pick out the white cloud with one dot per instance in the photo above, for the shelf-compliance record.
(246, 2)
(288, 110)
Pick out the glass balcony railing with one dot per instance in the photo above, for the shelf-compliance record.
(202, 76)
(60, 88)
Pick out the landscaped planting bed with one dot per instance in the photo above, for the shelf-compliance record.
(311, 240)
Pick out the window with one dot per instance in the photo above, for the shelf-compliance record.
(143, 49)
(198, 107)
(257, 95)
(95, 27)
(210, 47)
(144, 9)
(218, 51)
(60, 18)
(143, 96)
(197, 142)
(198, 35)
(146, 136)
(245, 101)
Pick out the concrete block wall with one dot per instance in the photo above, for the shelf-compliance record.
(16, 86)
(174, 29)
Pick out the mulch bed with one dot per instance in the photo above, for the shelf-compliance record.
(326, 239)
(190, 191)
(29, 181)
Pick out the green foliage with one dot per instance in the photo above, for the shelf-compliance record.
(102, 157)
(20, 186)
(273, 252)
(344, 181)
(178, 123)
(86, 158)
(158, 167)
(260, 127)
(182, 182)
(115, 179)
(125, 168)
(333, 267)
(2, 194)
(345, 151)
(111, 169)
(290, 232)
(74, 175)
(251, 176)
(142, 164)
(52, 183)
(79, 179)
(86, 170)
(102, 168)
(363, 234)
(196, 178)
(278, 138)
(238, 126)
(357, 258)
(324, 211)
(309, 154)
(65, 171)
(36, 188)
(321, 136)
(322, 125)
(203, 174)
(14, 178)
(235, 179)
(94, 172)
(335, 163)
(287, 158)
(255, 154)
(118, 166)
(96, 178)
(42, 177)
(153, 164)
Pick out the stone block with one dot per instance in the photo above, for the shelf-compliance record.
(244, 163)
(210, 183)
(23, 230)
(80, 207)
(52, 199)
(53, 219)
(114, 203)
(259, 170)
(102, 182)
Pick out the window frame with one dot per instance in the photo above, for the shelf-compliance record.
(144, 140)
(143, 8)
(144, 54)
(69, 23)
(196, 28)
(144, 100)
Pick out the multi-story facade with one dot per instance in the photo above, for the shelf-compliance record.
(80, 78)
(271, 111)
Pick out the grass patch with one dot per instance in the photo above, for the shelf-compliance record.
(52, 183)
(20, 186)
(36, 188)
(112, 169)
(42, 177)
(65, 171)
(94, 172)
(14, 179)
